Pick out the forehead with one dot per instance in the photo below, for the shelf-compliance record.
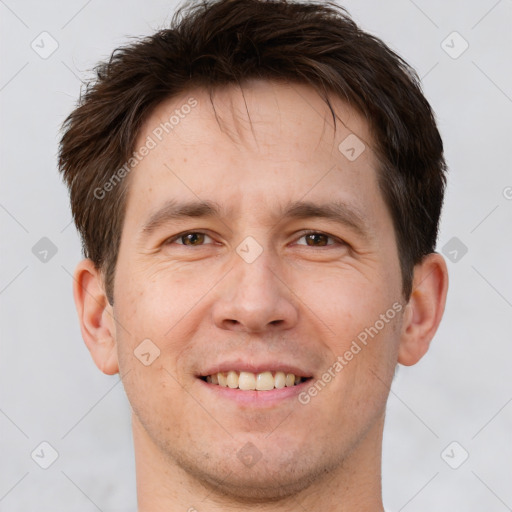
(253, 145)
(261, 116)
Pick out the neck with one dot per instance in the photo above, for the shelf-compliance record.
(355, 484)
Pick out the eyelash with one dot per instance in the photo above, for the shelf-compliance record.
(337, 241)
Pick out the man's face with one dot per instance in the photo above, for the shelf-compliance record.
(249, 289)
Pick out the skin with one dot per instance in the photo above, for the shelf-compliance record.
(300, 302)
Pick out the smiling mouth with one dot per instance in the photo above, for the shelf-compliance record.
(264, 381)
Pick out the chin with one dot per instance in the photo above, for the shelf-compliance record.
(267, 480)
(254, 487)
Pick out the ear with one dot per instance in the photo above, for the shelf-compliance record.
(96, 316)
(425, 308)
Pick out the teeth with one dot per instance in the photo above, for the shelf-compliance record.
(280, 380)
(247, 381)
(263, 381)
(232, 379)
(222, 378)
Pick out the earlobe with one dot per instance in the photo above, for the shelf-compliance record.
(424, 310)
(96, 316)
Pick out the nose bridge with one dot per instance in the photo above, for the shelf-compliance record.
(254, 297)
(255, 273)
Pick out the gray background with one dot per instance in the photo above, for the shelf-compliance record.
(50, 389)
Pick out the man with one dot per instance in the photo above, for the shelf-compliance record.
(258, 190)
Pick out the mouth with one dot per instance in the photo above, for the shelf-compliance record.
(248, 381)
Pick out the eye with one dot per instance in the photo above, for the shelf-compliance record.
(319, 239)
(190, 238)
(312, 239)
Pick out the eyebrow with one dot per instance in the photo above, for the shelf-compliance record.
(336, 211)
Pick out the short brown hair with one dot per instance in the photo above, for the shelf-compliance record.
(214, 43)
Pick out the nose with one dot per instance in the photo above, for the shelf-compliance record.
(254, 297)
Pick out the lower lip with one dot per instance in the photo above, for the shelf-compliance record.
(254, 397)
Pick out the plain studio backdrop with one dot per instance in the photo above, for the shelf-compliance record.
(448, 433)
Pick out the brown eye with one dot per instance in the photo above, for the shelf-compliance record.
(319, 239)
(192, 239)
(316, 239)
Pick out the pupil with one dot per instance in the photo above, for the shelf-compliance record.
(193, 237)
(315, 236)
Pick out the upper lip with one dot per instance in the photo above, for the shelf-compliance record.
(240, 365)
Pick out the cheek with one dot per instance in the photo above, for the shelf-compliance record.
(364, 318)
(149, 303)
(155, 397)
(347, 302)
(156, 315)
